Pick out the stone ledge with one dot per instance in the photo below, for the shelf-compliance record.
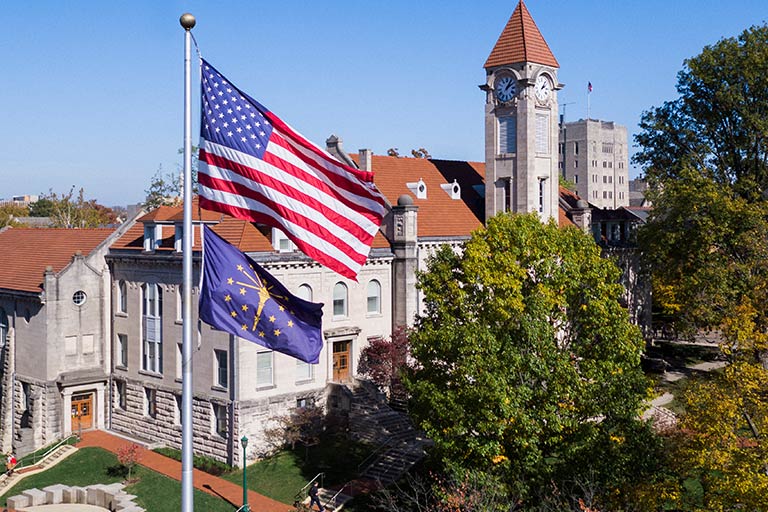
(102, 495)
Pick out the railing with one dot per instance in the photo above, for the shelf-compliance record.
(301, 494)
(24, 461)
(369, 459)
(333, 498)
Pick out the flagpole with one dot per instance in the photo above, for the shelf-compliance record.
(187, 485)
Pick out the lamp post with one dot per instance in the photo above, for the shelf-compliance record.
(245, 508)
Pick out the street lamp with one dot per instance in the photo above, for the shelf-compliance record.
(245, 507)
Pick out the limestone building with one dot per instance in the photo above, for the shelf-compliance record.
(521, 121)
(594, 156)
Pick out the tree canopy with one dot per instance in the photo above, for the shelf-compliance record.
(525, 363)
(72, 210)
(719, 123)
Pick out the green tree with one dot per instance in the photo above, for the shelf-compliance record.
(719, 123)
(9, 213)
(165, 189)
(74, 211)
(43, 207)
(525, 363)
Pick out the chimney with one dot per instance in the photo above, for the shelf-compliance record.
(366, 160)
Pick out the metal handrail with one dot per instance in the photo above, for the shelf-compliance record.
(35, 459)
(333, 498)
(388, 441)
(301, 491)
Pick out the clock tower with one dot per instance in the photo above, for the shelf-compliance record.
(521, 132)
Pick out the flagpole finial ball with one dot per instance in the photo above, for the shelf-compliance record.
(187, 21)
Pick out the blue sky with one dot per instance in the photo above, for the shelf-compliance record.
(92, 91)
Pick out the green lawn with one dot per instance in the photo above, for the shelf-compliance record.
(282, 476)
(87, 466)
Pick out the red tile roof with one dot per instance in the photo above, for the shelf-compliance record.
(521, 41)
(439, 215)
(26, 252)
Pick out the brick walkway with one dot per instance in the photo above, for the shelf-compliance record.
(205, 482)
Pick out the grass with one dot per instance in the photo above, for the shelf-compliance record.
(282, 476)
(88, 466)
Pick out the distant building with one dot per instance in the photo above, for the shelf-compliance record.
(593, 155)
(637, 189)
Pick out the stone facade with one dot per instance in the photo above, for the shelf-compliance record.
(594, 156)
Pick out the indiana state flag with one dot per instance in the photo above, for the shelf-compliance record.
(239, 297)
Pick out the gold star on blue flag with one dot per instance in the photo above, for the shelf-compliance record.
(239, 297)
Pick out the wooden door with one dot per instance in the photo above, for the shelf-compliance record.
(82, 412)
(340, 361)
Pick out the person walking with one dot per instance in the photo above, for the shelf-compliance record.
(313, 496)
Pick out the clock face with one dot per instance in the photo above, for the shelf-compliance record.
(542, 88)
(506, 88)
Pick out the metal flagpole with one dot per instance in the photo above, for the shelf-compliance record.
(187, 486)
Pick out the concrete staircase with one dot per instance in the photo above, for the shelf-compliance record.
(56, 456)
(373, 421)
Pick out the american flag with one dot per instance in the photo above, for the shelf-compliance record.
(253, 166)
(589, 87)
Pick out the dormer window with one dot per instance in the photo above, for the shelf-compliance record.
(281, 242)
(178, 237)
(452, 189)
(419, 189)
(152, 236)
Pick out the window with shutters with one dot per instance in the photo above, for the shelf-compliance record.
(152, 332)
(542, 133)
(507, 134)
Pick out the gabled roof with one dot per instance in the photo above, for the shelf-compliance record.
(439, 215)
(26, 252)
(521, 41)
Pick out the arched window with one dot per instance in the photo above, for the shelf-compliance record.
(3, 327)
(122, 297)
(374, 297)
(340, 300)
(305, 292)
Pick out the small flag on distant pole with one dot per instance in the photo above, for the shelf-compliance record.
(589, 87)
(253, 166)
(239, 297)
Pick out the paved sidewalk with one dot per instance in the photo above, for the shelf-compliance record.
(171, 468)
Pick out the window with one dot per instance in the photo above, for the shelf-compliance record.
(79, 297)
(610, 179)
(303, 371)
(542, 195)
(222, 368)
(507, 134)
(610, 165)
(610, 194)
(576, 179)
(281, 242)
(3, 327)
(508, 194)
(122, 297)
(152, 236)
(542, 133)
(304, 403)
(264, 369)
(180, 303)
(575, 163)
(575, 148)
(220, 419)
(122, 400)
(150, 402)
(605, 165)
(374, 297)
(605, 179)
(340, 300)
(179, 360)
(177, 410)
(607, 147)
(305, 292)
(122, 350)
(152, 316)
(605, 194)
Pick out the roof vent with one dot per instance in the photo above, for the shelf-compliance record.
(452, 189)
(419, 189)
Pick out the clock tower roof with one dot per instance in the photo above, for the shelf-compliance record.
(521, 41)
